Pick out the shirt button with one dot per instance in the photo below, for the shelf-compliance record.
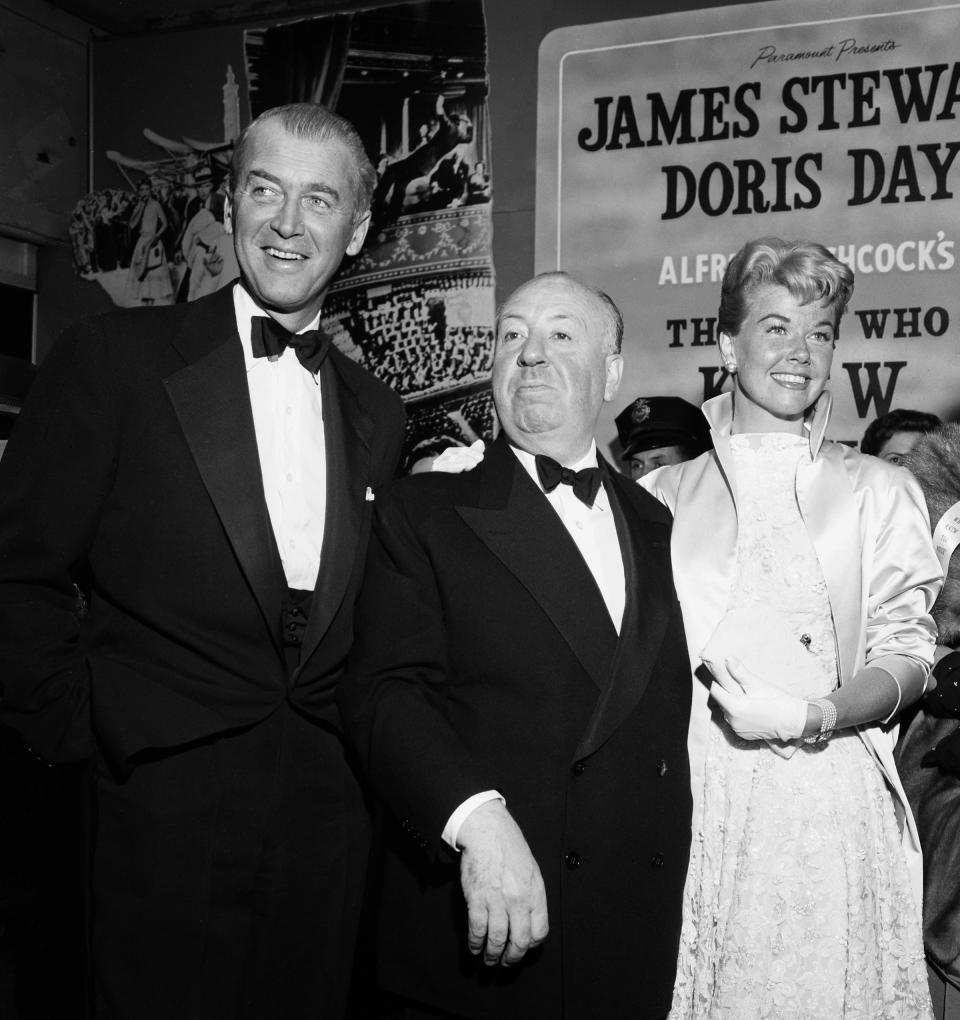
(289, 411)
(656, 861)
(661, 768)
(572, 860)
(289, 477)
(578, 525)
(579, 767)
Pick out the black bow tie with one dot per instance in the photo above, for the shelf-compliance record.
(585, 483)
(268, 339)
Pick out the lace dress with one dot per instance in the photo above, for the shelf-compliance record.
(797, 902)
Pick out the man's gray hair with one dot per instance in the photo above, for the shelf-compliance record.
(315, 123)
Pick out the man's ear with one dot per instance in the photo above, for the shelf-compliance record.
(614, 375)
(228, 214)
(359, 233)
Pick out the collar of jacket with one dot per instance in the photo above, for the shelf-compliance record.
(719, 413)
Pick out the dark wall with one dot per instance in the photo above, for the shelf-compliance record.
(170, 82)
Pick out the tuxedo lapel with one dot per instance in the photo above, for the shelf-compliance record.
(348, 433)
(523, 531)
(212, 403)
(648, 589)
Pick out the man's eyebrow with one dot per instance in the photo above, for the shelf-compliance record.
(327, 189)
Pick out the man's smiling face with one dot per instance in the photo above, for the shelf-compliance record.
(292, 216)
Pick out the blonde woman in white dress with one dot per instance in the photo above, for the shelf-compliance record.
(806, 575)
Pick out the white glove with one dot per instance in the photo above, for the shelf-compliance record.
(456, 459)
(755, 709)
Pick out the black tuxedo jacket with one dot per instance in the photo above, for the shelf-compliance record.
(135, 462)
(486, 659)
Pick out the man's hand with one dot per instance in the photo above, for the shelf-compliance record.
(506, 900)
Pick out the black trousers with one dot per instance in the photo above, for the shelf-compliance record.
(227, 879)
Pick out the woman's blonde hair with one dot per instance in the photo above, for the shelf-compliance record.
(807, 270)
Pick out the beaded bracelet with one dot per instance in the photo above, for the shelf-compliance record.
(828, 712)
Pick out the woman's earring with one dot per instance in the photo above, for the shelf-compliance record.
(730, 366)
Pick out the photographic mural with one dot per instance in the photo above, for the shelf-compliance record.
(416, 306)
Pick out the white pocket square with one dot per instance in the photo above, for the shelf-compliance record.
(369, 496)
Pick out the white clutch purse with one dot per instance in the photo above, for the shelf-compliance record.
(765, 643)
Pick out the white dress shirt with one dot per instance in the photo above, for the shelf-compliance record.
(288, 421)
(594, 531)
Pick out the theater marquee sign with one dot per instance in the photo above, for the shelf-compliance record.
(666, 142)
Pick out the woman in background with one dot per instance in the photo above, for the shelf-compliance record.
(806, 574)
(149, 281)
(893, 435)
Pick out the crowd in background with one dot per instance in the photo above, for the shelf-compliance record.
(167, 236)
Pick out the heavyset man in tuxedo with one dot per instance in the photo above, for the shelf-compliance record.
(519, 693)
(212, 479)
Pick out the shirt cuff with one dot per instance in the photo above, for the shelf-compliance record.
(451, 831)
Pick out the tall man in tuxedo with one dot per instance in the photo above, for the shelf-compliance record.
(519, 692)
(211, 477)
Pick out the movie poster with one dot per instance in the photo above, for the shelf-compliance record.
(666, 142)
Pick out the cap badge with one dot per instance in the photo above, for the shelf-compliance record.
(640, 412)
